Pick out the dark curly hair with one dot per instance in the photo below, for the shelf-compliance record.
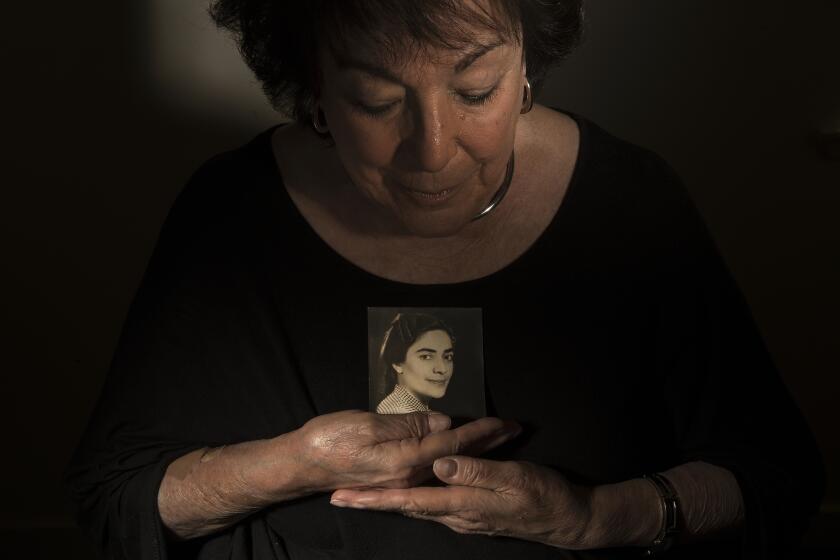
(280, 39)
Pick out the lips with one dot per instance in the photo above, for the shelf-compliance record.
(434, 196)
(440, 382)
(431, 196)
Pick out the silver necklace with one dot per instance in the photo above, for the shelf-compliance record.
(500, 193)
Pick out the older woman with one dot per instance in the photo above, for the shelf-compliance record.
(418, 172)
(417, 351)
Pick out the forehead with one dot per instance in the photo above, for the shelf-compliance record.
(436, 340)
(396, 34)
(452, 61)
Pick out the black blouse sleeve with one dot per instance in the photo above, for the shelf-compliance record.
(728, 405)
(163, 391)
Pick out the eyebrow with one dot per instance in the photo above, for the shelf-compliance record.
(432, 350)
(345, 62)
(475, 54)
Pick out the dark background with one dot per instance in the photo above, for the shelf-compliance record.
(109, 106)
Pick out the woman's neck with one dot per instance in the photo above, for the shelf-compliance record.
(369, 237)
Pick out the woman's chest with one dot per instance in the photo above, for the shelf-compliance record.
(572, 359)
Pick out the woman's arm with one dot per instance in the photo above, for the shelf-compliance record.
(210, 489)
(629, 513)
(531, 502)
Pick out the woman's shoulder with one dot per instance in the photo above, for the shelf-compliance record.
(607, 170)
(624, 201)
(621, 181)
(230, 175)
(227, 190)
(392, 404)
(626, 168)
(399, 401)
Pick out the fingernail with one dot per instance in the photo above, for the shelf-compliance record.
(339, 503)
(438, 422)
(445, 468)
(511, 430)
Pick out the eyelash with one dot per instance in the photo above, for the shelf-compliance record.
(447, 357)
(480, 99)
(472, 100)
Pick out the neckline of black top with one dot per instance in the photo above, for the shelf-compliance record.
(263, 143)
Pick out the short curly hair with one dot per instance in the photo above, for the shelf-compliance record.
(280, 40)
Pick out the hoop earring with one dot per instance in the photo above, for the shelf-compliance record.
(319, 123)
(527, 99)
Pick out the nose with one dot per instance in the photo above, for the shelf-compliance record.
(441, 366)
(430, 141)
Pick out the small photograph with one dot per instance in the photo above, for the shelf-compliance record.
(426, 359)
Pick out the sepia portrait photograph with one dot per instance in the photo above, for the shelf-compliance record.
(426, 359)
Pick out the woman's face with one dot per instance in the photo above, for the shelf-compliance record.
(428, 365)
(427, 140)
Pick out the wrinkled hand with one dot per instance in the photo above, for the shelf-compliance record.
(514, 499)
(353, 449)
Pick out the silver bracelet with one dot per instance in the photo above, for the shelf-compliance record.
(670, 514)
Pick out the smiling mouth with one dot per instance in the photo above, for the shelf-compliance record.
(430, 198)
(437, 381)
(440, 195)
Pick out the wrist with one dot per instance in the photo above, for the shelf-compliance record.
(286, 474)
(623, 514)
(670, 513)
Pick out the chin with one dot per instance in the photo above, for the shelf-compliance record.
(438, 218)
(435, 394)
(433, 224)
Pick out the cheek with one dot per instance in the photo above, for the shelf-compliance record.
(361, 141)
(490, 135)
(419, 368)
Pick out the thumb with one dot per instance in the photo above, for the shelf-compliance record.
(460, 470)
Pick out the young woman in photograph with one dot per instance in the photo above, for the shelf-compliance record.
(417, 356)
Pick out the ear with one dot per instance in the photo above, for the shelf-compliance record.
(397, 368)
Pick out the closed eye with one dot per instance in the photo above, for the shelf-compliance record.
(375, 110)
(379, 111)
(481, 98)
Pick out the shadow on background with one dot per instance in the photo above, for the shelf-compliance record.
(97, 151)
(110, 107)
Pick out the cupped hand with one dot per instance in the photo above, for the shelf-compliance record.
(353, 449)
(514, 499)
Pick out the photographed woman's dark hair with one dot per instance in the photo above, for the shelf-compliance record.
(280, 40)
(403, 331)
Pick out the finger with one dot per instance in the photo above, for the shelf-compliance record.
(473, 445)
(438, 422)
(464, 510)
(475, 437)
(499, 476)
(415, 425)
(421, 501)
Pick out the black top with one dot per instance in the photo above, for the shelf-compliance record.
(618, 340)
